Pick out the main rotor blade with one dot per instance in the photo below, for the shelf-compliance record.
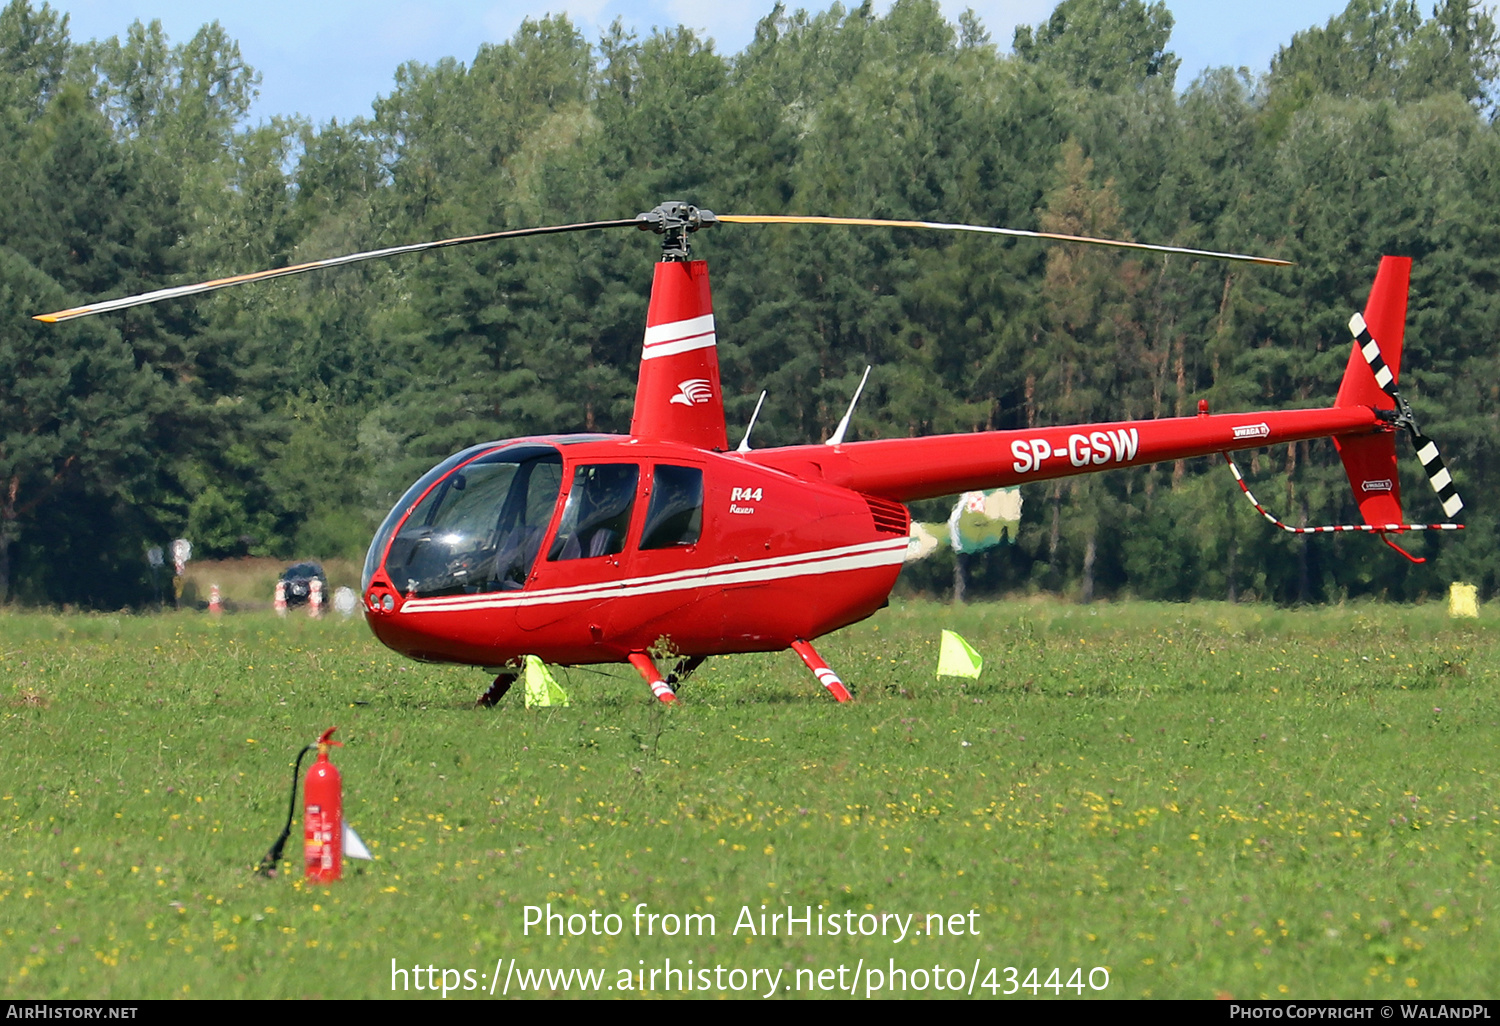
(986, 230)
(179, 291)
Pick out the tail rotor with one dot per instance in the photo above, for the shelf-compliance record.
(1427, 451)
(1369, 458)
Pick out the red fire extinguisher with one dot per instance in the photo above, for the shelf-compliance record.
(323, 816)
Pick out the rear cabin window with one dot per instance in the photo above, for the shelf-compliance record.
(675, 514)
(597, 513)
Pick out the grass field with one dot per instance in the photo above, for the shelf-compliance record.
(1202, 799)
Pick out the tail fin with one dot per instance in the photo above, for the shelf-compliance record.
(677, 397)
(1370, 460)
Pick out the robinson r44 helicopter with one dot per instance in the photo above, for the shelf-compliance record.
(595, 548)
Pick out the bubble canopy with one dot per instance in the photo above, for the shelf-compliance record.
(472, 524)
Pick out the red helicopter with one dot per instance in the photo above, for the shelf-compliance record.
(606, 548)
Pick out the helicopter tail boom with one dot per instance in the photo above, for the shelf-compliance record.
(1362, 422)
(906, 469)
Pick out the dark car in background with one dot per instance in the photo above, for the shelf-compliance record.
(298, 579)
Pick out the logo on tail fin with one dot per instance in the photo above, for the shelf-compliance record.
(693, 392)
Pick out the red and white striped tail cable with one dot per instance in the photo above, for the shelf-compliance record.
(1380, 529)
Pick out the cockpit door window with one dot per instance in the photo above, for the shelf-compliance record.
(597, 514)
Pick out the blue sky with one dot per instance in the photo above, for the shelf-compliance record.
(331, 58)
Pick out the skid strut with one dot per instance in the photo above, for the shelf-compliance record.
(497, 690)
(826, 677)
(682, 671)
(647, 669)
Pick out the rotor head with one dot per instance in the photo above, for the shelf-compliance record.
(675, 221)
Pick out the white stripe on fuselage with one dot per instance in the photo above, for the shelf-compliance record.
(805, 564)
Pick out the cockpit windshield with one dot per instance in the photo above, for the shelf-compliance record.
(479, 529)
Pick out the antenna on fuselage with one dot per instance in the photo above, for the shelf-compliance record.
(744, 445)
(838, 436)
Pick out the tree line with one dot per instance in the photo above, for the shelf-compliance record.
(284, 419)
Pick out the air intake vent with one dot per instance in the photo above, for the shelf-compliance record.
(890, 517)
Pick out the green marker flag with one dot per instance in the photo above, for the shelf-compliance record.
(541, 689)
(957, 658)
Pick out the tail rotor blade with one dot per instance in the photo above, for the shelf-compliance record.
(1370, 350)
(1437, 473)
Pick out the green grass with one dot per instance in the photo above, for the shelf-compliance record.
(1205, 799)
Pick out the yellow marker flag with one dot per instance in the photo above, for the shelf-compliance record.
(541, 689)
(1463, 600)
(957, 658)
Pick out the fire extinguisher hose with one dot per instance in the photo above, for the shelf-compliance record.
(272, 857)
